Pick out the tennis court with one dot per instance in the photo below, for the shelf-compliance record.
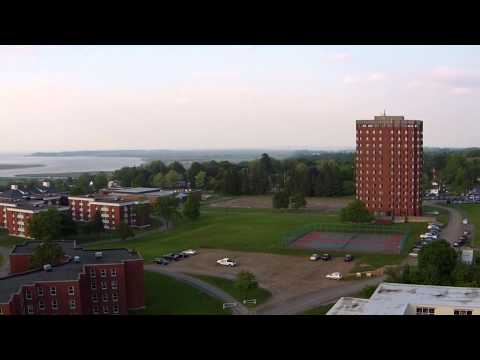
(388, 243)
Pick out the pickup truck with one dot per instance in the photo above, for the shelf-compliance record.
(226, 262)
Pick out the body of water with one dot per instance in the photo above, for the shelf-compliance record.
(61, 165)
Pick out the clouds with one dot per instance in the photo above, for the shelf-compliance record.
(459, 81)
(366, 78)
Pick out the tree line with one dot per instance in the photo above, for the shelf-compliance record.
(308, 176)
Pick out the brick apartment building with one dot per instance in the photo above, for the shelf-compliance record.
(113, 210)
(389, 160)
(88, 282)
(18, 206)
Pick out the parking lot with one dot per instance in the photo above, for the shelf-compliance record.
(284, 276)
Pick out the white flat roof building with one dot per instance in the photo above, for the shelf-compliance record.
(406, 299)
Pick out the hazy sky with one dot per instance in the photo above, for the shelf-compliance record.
(211, 97)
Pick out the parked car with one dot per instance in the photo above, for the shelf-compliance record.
(457, 244)
(348, 258)
(161, 261)
(429, 236)
(334, 276)
(416, 250)
(413, 254)
(466, 233)
(465, 221)
(173, 257)
(168, 257)
(227, 262)
(325, 257)
(314, 257)
(190, 252)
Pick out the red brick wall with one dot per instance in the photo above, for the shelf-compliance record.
(135, 284)
(3, 223)
(19, 263)
(88, 300)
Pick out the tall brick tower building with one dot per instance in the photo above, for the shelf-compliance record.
(389, 161)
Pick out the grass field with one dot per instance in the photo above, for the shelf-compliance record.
(9, 241)
(257, 230)
(260, 294)
(443, 214)
(166, 296)
(254, 230)
(472, 213)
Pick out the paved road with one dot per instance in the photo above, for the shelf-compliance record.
(300, 304)
(455, 228)
(203, 286)
(5, 267)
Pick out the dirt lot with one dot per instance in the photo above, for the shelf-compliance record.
(284, 276)
(265, 202)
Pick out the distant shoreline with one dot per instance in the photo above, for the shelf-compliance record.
(19, 166)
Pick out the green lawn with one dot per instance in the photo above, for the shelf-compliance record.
(472, 213)
(260, 294)
(256, 230)
(166, 296)
(442, 217)
(9, 241)
(233, 229)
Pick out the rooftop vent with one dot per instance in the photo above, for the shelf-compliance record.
(47, 267)
(76, 259)
(14, 187)
(98, 254)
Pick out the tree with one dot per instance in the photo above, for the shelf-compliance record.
(124, 231)
(281, 200)
(167, 208)
(68, 226)
(191, 208)
(46, 225)
(356, 211)
(200, 179)
(100, 181)
(158, 180)
(171, 179)
(298, 201)
(97, 222)
(436, 263)
(245, 281)
(177, 167)
(155, 167)
(48, 252)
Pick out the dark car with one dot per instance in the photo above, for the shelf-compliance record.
(173, 257)
(348, 258)
(325, 257)
(161, 261)
(177, 256)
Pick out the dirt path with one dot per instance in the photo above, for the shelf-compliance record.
(213, 291)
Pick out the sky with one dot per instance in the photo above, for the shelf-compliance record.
(58, 98)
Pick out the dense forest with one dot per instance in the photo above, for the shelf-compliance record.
(326, 175)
